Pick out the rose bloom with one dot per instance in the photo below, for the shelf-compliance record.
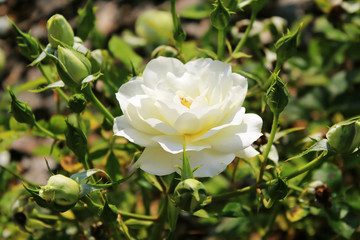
(199, 102)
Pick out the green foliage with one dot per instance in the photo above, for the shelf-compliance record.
(308, 74)
(86, 20)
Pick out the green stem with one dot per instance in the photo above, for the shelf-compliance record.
(138, 216)
(87, 91)
(59, 91)
(221, 43)
(159, 225)
(173, 13)
(46, 132)
(266, 152)
(241, 44)
(234, 173)
(309, 166)
(18, 176)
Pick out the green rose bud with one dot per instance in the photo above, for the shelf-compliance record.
(220, 16)
(165, 51)
(154, 26)
(21, 111)
(59, 29)
(286, 46)
(28, 45)
(277, 189)
(189, 195)
(76, 140)
(77, 103)
(73, 67)
(277, 96)
(344, 137)
(60, 190)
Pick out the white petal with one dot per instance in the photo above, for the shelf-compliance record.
(234, 118)
(174, 144)
(248, 152)
(158, 68)
(124, 129)
(273, 154)
(211, 162)
(155, 160)
(131, 88)
(187, 123)
(252, 122)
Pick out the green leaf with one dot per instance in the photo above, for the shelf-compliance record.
(86, 20)
(113, 167)
(233, 209)
(57, 84)
(138, 224)
(85, 189)
(109, 213)
(82, 176)
(121, 50)
(343, 220)
(330, 174)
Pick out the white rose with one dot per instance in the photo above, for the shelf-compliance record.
(199, 102)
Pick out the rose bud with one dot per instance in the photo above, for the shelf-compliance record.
(60, 190)
(277, 189)
(77, 103)
(21, 111)
(189, 195)
(220, 16)
(277, 96)
(59, 29)
(344, 137)
(73, 66)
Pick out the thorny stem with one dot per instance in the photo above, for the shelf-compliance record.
(244, 38)
(87, 91)
(221, 45)
(266, 152)
(46, 132)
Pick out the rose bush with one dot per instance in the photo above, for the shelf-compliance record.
(199, 102)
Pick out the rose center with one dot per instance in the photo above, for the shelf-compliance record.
(185, 100)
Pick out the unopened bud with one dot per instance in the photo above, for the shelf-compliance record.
(75, 66)
(77, 103)
(60, 190)
(21, 111)
(59, 29)
(277, 96)
(220, 16)
(28, 45)
(344, 137)
(189, 195)
(286, 46)
(277, 189)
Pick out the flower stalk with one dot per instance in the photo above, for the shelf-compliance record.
(242, 42)
(264, 157)
(87, 91)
